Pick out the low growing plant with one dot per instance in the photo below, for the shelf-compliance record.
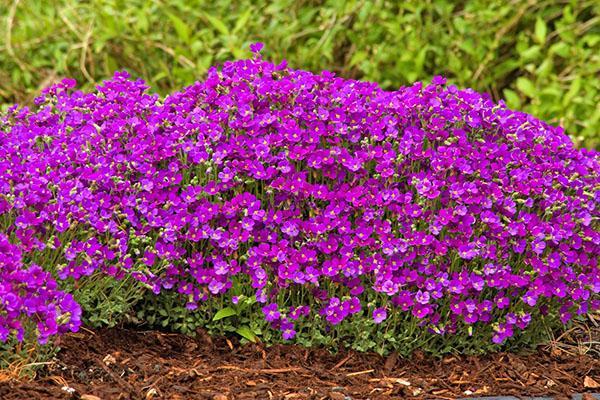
(379, 219)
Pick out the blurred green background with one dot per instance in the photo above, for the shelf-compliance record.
(542, 57)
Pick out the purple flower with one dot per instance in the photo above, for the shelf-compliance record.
(290, 229)
(538, 246)
(287, 329)
(271, 312)
(379, 315)
(256, 47)
(422, 297)
(467, 251)
(147, 185)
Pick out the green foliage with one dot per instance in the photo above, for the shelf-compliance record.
(400, 332)
(167, 311)
(105, 302)
(24, 359)
(542, 57)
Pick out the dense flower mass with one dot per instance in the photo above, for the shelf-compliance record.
(31, 294)
(429, 200)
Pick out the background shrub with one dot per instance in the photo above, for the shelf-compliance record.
(542, 57)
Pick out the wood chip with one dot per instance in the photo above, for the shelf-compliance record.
(259, 371)
(368, 371)
(337, 396)
(590, 383)
(294, 396)
(109, 359)
(89, 397)
(399, 381)
(339, 364)
(390, 361)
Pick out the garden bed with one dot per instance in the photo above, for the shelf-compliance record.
(120, 363)
(281, 206)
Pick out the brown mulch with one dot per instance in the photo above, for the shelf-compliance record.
(127, 364)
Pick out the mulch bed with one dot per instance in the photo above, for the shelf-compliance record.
(128, 364)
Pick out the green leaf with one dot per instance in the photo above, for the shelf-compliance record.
(545, 68)
(247, 333)
(541, 30)
(182, 29)
(358, 58)
(224, 313)
(573, 91)
(217, 24)
(242, 21)
(512, 99)
(531, 53)
(526, 87)
(561, 48)
(142, 23)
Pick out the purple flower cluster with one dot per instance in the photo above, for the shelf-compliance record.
(427, 200)
(31, 295)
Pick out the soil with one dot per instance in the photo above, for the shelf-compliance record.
(128, 364)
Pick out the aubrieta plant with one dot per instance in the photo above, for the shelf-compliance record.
(324, 198)
(29, 295)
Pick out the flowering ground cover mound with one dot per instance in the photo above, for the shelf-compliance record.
(308, 199)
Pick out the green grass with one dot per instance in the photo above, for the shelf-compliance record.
(542, 57)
